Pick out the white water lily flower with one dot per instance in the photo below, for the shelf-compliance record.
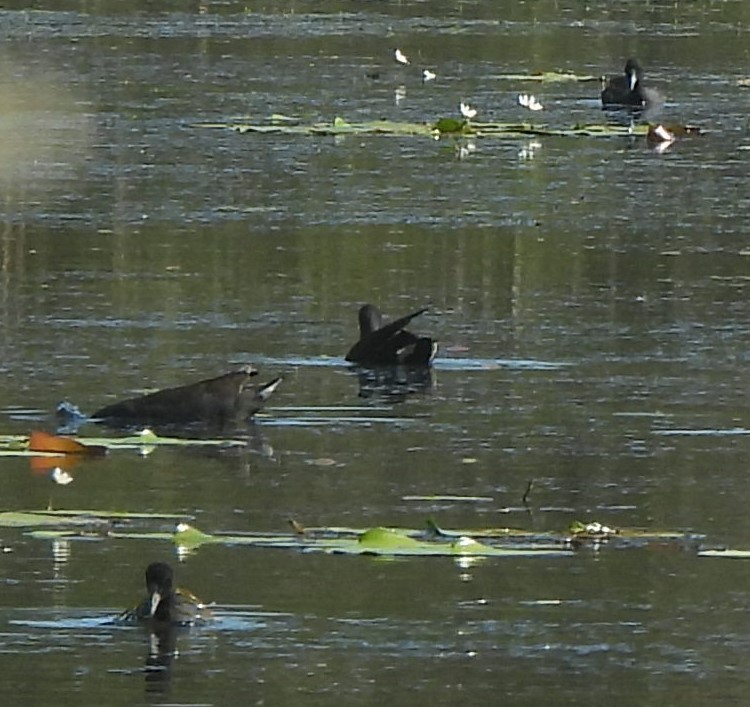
(528, 101)
(400, 57)
(60, 476)
(428, 75)
(467, 111)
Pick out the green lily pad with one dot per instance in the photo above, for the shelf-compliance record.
(24, 519)
(726, 553)
(57, 518)
(453, 126)
(386, 539)
(13, 442)
(190, 537)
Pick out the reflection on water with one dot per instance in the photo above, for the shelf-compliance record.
(162, 651)
(45, 130)
(393, 384)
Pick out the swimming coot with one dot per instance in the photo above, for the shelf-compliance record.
(165, 604)
(390, 344)
(628, 89)
(217, 400)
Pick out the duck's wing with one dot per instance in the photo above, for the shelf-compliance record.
(189, 609)
(379, 343)
(616, 90)
(135, 614)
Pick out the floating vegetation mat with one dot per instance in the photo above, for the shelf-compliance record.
(43, 444)
(285, 125)
(432, 540)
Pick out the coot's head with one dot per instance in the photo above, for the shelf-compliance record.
(370, 319)
(159, 579)
(634, 72)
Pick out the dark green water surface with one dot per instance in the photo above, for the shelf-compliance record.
(590, 297)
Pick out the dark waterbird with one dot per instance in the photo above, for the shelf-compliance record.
(226, 398)
(165, 604)
(627, 90)
(390, 344)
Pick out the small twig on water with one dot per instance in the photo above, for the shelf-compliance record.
(527, 493)
(297, 527)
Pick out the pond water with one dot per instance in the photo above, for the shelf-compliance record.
(590, 297)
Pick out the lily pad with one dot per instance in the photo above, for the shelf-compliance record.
(386, 538)
(452, 126)
(58, 518)
(726, 553)
(26, 519)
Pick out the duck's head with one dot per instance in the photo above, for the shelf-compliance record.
(159, 578)
(370, 319)
(634, 72)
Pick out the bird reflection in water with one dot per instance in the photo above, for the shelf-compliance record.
(393, 383)
(162, 651)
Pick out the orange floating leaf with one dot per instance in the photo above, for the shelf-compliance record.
(40, 441)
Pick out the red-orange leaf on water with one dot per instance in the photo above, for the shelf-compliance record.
(40, 441)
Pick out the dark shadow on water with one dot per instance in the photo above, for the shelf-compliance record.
(70, 420)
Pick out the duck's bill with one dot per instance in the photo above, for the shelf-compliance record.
(155, 599)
